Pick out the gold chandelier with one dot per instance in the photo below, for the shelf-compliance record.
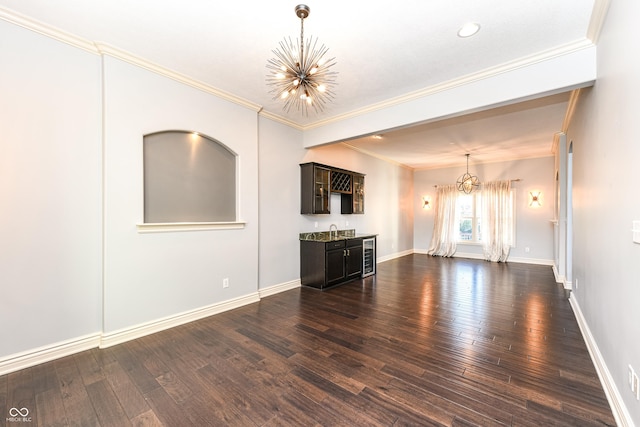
(300, 74)
(467, 182)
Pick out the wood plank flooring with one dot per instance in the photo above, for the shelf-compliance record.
(425, 342)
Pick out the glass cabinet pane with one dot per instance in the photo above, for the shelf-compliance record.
(321, 190)
(358, 194)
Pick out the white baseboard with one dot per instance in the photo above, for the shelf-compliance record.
(394, 256)
(39, 355)
(276, 289)
(127, 334)
(470, 255)
(44, 354)
(620, 412)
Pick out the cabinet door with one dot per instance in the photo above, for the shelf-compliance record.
(354, 262)
(358, 194)
(314, 189)
(335, 266)
(321, 190)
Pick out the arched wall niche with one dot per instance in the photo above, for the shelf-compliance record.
(188, 178)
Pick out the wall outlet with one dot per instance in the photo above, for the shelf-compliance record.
(225, 282)
(315, 224)
(527, 250)
(631, 374)
(575, 281)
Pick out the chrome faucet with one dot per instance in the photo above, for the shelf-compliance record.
(333, 226)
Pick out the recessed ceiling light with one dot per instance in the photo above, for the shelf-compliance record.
(468, 30)
(378, 136)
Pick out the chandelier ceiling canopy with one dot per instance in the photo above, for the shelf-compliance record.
(467, 182)
(300, 73)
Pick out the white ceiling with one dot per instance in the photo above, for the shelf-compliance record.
(384, 50)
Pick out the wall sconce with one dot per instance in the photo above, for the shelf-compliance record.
(535, 199)
(426, 202)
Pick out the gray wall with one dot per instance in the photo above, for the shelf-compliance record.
(534, 229)
(50, 192)
(606, 147)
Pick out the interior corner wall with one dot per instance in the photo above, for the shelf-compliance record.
(534, 229)
(50, 192)
(605, 132)
(153, 276)
(388, 201)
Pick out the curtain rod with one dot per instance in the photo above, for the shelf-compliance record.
(512, 180)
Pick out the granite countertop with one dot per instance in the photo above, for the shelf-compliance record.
(324, 236)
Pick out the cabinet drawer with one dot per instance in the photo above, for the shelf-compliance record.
(334, 245)
(354, 242)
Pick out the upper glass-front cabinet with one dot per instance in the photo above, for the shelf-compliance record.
(315, 189)
(319, 181)
(358, 194)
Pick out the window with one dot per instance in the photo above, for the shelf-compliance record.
(468, 211)
(188, 178)
(469, 217)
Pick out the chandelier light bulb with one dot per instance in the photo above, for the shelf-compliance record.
(302, 64)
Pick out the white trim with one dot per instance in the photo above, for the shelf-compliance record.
(148, 328)
(394, 256)
(276, 289)
(47, 30)
(559, 277)
(105, 49)
(163, 227)
(122, 55)
(620, 412)
(280, 119)
(600, 8)
(461, 81)
(470, 255)
(48, 353)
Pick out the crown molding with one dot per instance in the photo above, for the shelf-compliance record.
(465, 80)
(47, 30)
(114, 52)
(571, 108)
(105, 49)
(280, 119)
(600, 8)
(376, 155)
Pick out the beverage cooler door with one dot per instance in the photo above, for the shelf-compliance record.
(369, 257)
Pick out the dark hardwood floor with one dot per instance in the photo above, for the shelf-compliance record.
(426, 342)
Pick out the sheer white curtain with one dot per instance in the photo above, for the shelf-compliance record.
(497, 220)
(443, 241)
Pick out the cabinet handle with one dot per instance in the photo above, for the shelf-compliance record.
(344, 252)
(348, 253)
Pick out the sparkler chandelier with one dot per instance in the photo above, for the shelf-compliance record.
(300, 74)
(467, 182)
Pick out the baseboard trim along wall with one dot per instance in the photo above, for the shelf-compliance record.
(537, 261)
(44, 354)
(393, 256)
(276, 289)
(620, 412)
(127, 334)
